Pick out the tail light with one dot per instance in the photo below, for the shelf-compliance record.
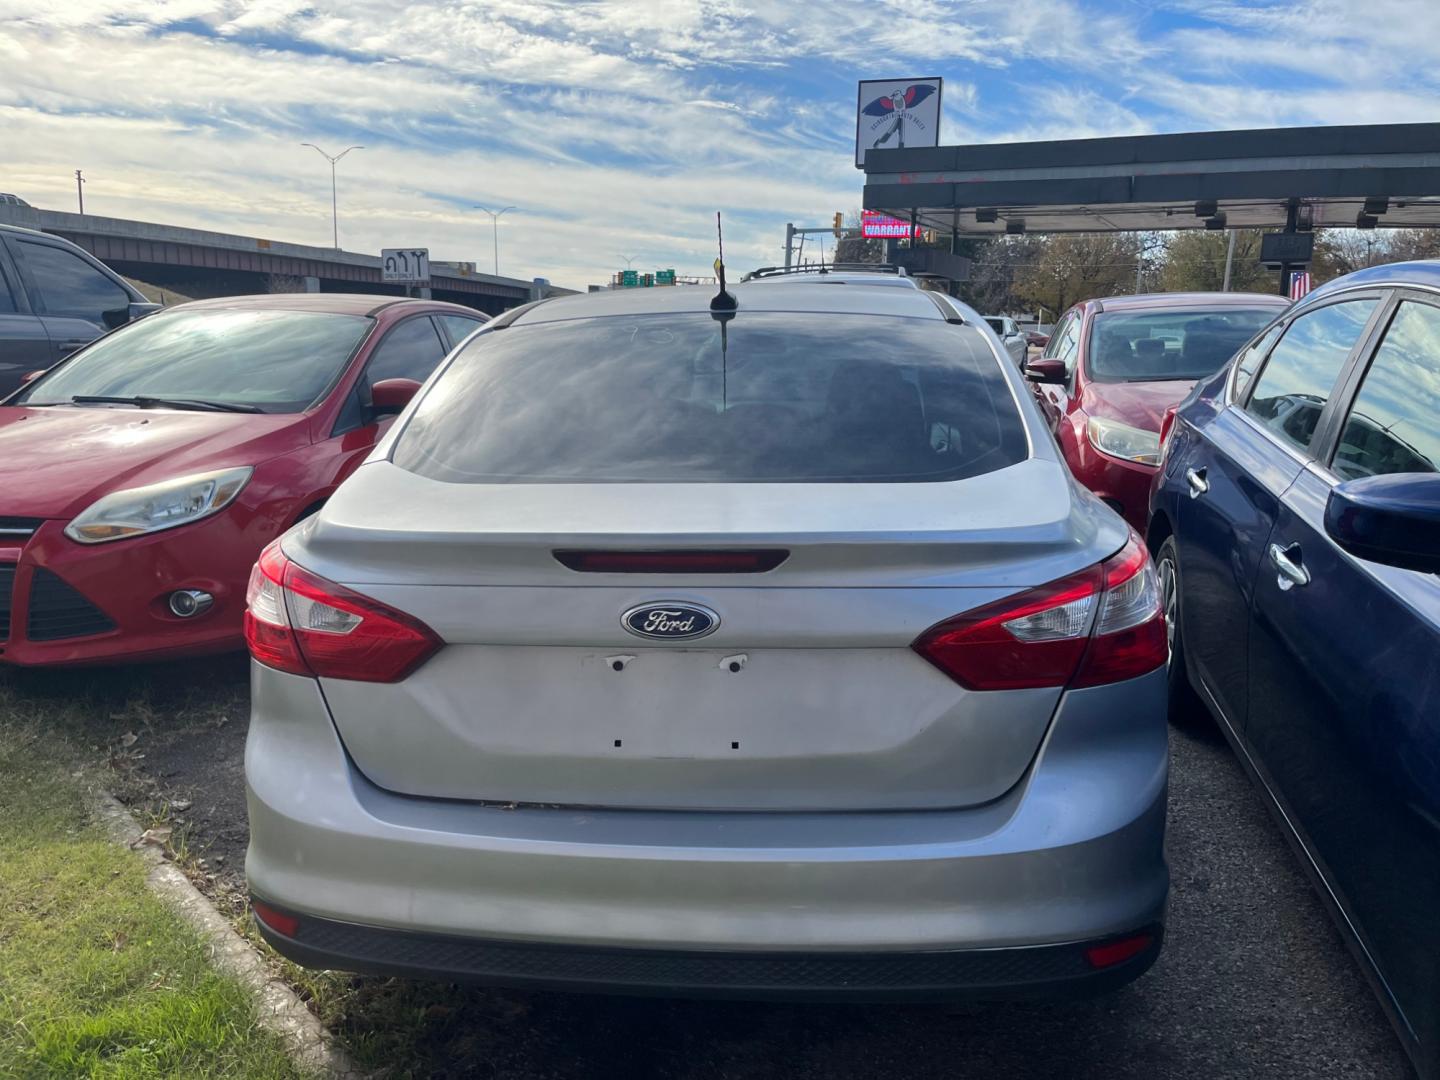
(1102, 625)
(1117, 952)
(281, 923)
(298, 622)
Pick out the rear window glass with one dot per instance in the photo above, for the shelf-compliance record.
(1187, 343)
(682, 398)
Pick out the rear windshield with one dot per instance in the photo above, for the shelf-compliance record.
(273, 361)
(1185, 343)
(683, 398)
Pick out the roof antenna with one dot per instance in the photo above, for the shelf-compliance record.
(722, 310)
(722, 301)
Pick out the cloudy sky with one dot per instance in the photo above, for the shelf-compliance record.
(618, 127)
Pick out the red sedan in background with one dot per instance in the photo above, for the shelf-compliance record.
(1113, 366)
(140, 478)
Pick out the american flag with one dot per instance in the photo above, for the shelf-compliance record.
(1299, 284)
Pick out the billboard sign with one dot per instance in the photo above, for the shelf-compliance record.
(891, 113)
(877, 226)
(405, 266)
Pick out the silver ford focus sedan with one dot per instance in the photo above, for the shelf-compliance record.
(768, 651)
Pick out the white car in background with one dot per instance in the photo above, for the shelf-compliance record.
(1010, 336)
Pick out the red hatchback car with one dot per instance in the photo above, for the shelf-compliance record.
(140, 477)
(1112, 368)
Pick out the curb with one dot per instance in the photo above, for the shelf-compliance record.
(279, 1009)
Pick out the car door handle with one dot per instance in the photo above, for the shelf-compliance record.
(1286, 560)
(67, 347)
(1198, 484)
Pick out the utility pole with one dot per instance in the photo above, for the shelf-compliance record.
(495, 227)
(80, 190)
(334, 205)
(1229, 261)
(789, 242)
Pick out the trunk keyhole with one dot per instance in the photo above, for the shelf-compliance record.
(733, 663)
(618, 663)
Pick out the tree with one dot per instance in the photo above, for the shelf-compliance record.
(1194, 261)
(1343, 251)
(994, 267)
(1079, 266)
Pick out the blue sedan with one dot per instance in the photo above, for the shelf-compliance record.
(1295, 523)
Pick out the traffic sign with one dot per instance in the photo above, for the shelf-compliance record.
(405, 266)
(665, 277)
(629, 279)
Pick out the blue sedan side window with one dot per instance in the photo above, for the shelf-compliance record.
(1292, 390)
(1391, 427)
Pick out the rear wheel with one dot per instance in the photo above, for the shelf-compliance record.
(1185, 706)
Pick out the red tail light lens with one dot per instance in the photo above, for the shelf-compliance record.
(1117, 952)
(286, 925)
(673, 562)
(1101, 625)
(1129, 635)
(298, 622)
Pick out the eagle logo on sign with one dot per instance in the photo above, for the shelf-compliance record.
(896, 107)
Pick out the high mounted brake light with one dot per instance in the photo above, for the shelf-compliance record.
(1101, 625)
(298, 622)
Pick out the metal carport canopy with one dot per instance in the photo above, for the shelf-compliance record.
(1149, 182)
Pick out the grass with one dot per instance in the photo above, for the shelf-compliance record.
(97, 978)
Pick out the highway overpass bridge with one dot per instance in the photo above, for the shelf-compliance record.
(198, 263)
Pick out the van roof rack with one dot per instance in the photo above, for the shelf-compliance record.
(827, 268)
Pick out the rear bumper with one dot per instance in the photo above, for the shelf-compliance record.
(1074, 853)
(1046, 971)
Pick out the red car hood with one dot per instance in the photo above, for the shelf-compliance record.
(1139, 404)
(56, 461)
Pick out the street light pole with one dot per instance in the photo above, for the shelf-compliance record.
(495, 226)
(334, 203)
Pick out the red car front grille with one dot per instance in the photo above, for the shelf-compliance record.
(7, 586)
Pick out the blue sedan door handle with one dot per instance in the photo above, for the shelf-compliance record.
(1287, 561)
(1198, 484)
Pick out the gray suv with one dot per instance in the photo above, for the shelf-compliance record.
(54, 298)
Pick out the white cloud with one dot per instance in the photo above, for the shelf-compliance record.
(621, 127)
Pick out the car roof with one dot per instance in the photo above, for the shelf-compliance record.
(759, 295)
(1188, 299)
(329, 303)
(1423, 272)
(34, 232)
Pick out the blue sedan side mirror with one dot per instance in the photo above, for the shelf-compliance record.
(1392, 519)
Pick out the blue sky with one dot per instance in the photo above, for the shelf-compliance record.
(618, 128)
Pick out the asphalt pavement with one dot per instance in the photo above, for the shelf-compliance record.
(1254, 980)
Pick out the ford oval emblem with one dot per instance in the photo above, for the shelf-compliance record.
(670, 621)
